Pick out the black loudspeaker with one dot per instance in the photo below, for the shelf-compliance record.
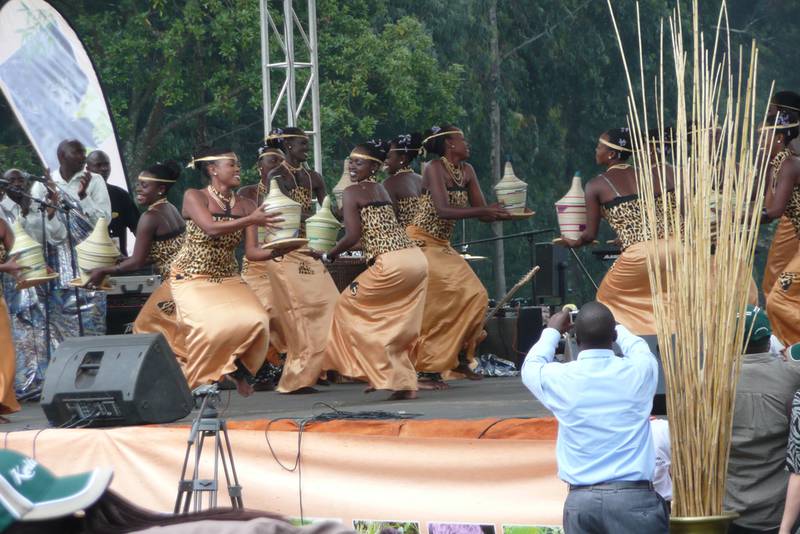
(115, 381)
(548, 280)
(512, 334)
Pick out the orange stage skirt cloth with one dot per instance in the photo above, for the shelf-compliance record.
(454, 308)
(783, 248)
(224, 322)
(434, 471)
(299, 296)
(783, 303)
(8, 363)
(377, 321)
(158, 316)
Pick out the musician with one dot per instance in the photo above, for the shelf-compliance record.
(124, 214)
(15, 205)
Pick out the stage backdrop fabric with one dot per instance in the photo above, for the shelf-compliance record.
(51, 85)
(381, 471)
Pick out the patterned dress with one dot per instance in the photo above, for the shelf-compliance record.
(158, 313)
(377, 319)
(226, 327)
(452, 285)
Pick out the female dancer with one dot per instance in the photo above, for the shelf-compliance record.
(378, 318)
(159, 236)
(456, 303)
(783, 302)
(614, 194)
(8, 400)
(227, 329)
(296, 290)
(403, 184)
(784, 241)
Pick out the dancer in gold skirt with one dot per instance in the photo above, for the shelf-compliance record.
(227, 329)
(614, 195)
(457, 301)
(296, 289)
(8, 400)
(403, 184)
(784, 242)
(159, 236)
(783, 302)
(378, 318)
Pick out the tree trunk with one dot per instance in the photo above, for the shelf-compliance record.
(496, 154)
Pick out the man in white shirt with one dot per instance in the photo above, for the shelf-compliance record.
(80, 186)
(602, 402)
(15, 206)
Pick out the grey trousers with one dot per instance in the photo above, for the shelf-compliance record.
(615, 511)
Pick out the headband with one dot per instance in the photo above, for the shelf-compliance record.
(191, 164)
(364, 156)
(145, 178)
(784, 106)
(404, 149)
(283, 136)
(609, 144)
(439, 134)
(782, 126)
(268, 151)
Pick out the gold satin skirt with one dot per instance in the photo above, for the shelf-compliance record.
(783, 248)
(299, 296)
(8, 363)
(158, 316)
(377, 320)
(625, 289)
(454, 308)
(783, 303)
(223, 322)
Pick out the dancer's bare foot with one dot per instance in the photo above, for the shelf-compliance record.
(242, 386)
(302, 391)
(369, 389)
(407, 394)
(434, 385)
(464, 369)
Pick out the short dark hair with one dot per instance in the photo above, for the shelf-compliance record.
(62, 146)
(595, 325)
(169, 170)
(408, 144)
(206, 151)
(785, 117)
(275, 141)
(621, 137)
(377, 148)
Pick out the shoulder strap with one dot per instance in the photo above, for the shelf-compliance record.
(611, 185)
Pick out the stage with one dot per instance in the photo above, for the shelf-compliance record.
(481, 452)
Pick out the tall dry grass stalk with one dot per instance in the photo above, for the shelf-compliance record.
(718, 178)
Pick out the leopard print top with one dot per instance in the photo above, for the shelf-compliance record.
(624, 216)
(792, 210)
(380, 231)
(2, 253)
(427, 219)
(406, 210)
(202, 254)
(164, 249)
(304, 197)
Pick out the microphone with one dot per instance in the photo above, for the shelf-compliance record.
(31, 177)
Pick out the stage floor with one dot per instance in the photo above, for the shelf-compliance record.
(490, 397)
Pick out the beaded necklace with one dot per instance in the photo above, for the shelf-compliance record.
(156, 203)
(456, 173)
(226, 204)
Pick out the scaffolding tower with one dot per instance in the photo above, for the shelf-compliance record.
(288, 69)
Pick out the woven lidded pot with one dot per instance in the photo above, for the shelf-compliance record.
(290, 211)
(511, 192)
(571, 210)
(322, 228)
(29, 253)
(97, 250)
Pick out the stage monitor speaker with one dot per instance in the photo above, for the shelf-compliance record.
(115, 381)
(548, 258)
(512, 335)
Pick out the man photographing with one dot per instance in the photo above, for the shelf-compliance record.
(602, 403)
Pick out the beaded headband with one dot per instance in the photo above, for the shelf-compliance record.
(615, 146)
(439, 134)
(354, 155)
(274, 151)
(191, 164)
(145, 178)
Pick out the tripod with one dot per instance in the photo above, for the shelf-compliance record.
(207, 424)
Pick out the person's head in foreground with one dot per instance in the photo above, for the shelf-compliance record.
(595, 327)
(757, 327)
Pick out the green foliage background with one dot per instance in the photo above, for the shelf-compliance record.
(183, 73)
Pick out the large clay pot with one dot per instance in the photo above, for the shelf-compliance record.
(344, 183)
(97, 250)
(290, 212)
(322, 228)
(571, 210)
(511, 191)
(714, 524)
(29, 253)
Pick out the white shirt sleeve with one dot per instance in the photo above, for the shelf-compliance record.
(32, 223)
(97, 203)
(541, 354)
(638, 351)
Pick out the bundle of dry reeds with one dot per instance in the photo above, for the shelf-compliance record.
(699, 292)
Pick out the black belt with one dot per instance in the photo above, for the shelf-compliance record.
(621, 484)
